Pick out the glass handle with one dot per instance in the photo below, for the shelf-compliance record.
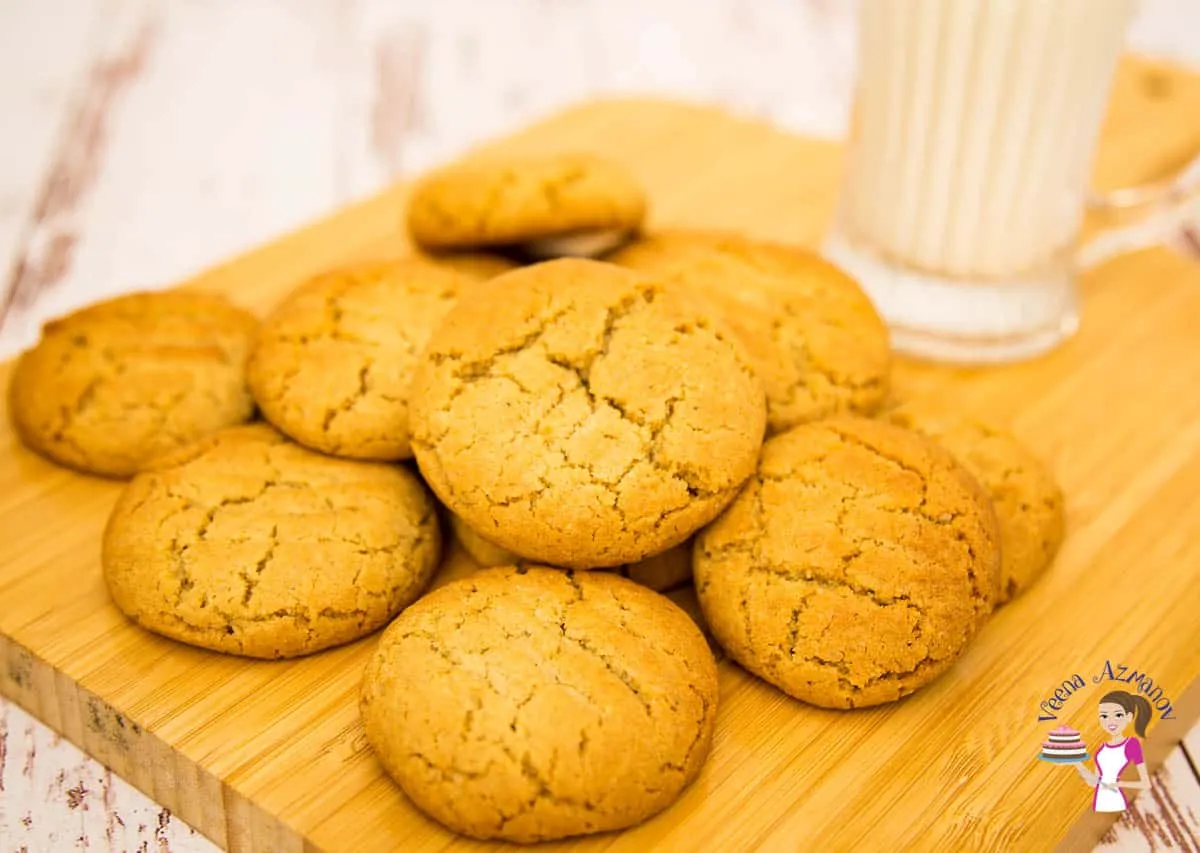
(1138, 217)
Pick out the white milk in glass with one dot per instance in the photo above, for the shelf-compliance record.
(974, 127)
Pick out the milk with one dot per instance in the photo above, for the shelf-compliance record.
(974, 128)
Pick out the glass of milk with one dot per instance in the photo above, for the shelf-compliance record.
(974, 127)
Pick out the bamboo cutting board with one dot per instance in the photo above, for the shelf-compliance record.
(269, 756)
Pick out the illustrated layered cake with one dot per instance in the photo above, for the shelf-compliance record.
(1064, 746)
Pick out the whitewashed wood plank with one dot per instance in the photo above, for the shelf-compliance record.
(492, 67)
(219, 143)
(228, 135)
(57, 220)
(53, 798)
(223, 144)
(1191, 745)
(1166, 817)
(1169, 29)
(41, 66)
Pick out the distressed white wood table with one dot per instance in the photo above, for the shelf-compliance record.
(144, 140)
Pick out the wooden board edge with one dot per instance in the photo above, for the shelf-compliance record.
(1085, 833)
(214, 809)
(236, 823)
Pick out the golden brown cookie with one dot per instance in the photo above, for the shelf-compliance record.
(114, 384)
(584, 416)
(331, 366)
(1027, 498)
(660, 572)
(582, 703)
(479, 549)
(854, 567)
(522, 200)
(246, 543)
(815, 339)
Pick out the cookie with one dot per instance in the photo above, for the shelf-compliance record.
(584, 416)
(854, 567)
(582, 703)
(112, 385)
(814, 337)
(525, 200)
(660, 572)
(479, 549)
(246, 543)
(331, 366)
(1027, 498)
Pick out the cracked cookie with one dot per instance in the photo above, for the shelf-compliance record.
(584, 416)
(558, 203)
(814, 337)
(1027, 498)
(332, 365)
(535, 704)
(661, 572)
(854, 567)
(113, 384)
(246, 543)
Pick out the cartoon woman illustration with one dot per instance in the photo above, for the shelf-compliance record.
(1119, 751)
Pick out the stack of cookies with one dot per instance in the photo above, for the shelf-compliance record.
(692, 406)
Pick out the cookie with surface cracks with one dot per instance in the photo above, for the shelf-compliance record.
(332, 365)
(815, 339)
(854, 567)
(536, 704)
(534, 200)
(661, 572)
(1027, 498)
(249, 544)
(111, 385)
(584, 416)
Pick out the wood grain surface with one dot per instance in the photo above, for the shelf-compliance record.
(271, 756)
(168, 133)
